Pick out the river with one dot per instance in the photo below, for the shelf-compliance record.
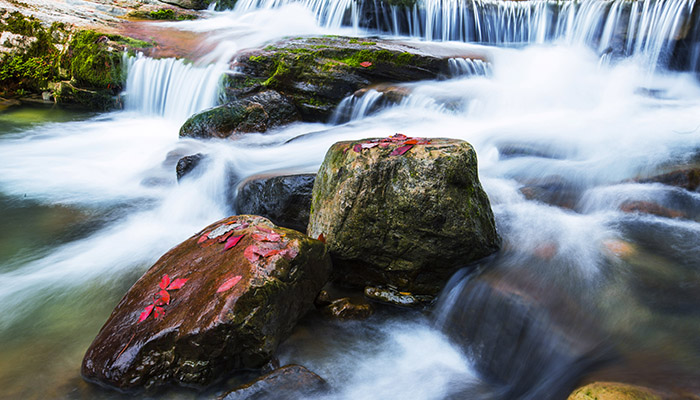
(563, 126)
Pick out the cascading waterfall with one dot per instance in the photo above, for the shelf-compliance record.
(171, 87)
(459, 66)
(646, 29)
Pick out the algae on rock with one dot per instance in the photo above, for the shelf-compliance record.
(406, 220)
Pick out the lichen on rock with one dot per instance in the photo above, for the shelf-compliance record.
(402, 212)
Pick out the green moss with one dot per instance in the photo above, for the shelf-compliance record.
(375, 56)
(353, 41)
(91, 63)
(163, 13)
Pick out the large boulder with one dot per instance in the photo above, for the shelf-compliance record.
(285, 199)
(254, 113)
(317, 73)
(220, 301)
(402, 212)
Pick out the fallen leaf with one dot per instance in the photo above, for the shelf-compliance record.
(398, 137)
(146, 312)
(322, 238)
(228, 284)
(369, 145)
(233, 241)
(366, 64)
(252, 253)
(270, 237)
(357, 148)
(203, 238)
(265, 229)
(163, 298)
(177, 284)
(158, 312)
(289, 253)
(164, 282)
(399, 151)
(225, 236)
(411, 141)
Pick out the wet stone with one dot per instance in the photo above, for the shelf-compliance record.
(219, 302)
(393, 296)
(347, 308)
(290, 382)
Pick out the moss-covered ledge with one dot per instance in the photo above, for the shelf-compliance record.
(61, 63)
(316, 73)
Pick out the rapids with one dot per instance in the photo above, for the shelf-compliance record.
(581, 289)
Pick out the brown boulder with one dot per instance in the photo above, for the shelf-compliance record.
(236, 290)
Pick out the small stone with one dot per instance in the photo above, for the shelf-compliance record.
(345, 308)
(286, 383)
(393, 296)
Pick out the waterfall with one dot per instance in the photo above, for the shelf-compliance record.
(355, 107)
(171, 87)
(459, 66)
(644, 29)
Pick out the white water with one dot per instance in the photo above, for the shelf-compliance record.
(586, 126)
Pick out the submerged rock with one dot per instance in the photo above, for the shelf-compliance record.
(285, 200)
(615, 391)
(243, 285)
(685, 176)
(392, 296)
(402, 212)
(254, 113)
(347, 308)
(187, 164)
(289, 382)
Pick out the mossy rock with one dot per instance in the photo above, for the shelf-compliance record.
(100, 99)
(247, 284)
(317, 73)
(202, 4)
(614, 391)
(405, 219)
(255, 113)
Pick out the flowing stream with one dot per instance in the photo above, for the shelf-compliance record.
(563, 128)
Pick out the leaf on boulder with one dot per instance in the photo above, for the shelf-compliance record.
(177, 284)
(164, 282)
(357, 148)
(365, 64)
(228, 284)
(231, 242)
(270, 237)
(322, 238)
(252, 253)
(163, 298)
(203, 238)
(146, 312)
(399, 151)
(158, 312)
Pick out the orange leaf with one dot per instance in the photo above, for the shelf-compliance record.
(411, 141)
(146, 312)
(322, 238)
(228, 284)
(164, 282)
(270, 237)
(177, 284)
(203, 238)
(366, 64)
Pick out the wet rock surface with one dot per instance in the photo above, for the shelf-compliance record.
(220, 301)
(401, 211)
(285, 200)
(317, 73)
(187, 164)
(347, 308)
(288, 382)
(393, 296)
(255, 113)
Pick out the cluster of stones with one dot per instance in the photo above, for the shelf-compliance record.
(392, 217)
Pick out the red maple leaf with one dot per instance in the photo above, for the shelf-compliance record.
(177, 284)
(146, 312)
(164, 282)
(365, 64)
